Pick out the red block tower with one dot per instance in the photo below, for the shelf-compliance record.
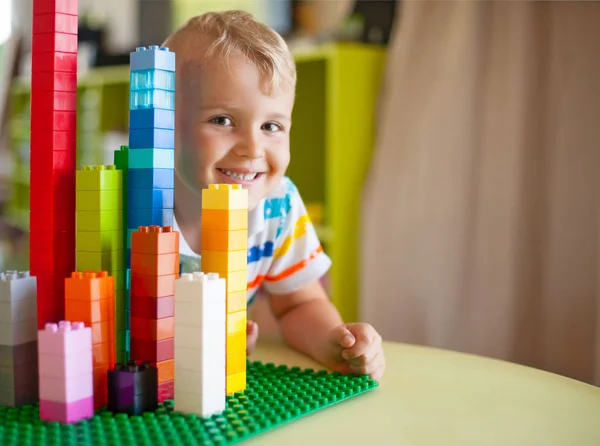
(154, 268)
(52, 159)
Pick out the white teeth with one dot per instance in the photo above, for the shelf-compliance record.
(240, 176)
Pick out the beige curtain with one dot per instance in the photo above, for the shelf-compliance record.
(480, 212)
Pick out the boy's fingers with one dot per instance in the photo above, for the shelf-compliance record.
(341, 336)
(365, 337)
(369, 368)
(364, 357)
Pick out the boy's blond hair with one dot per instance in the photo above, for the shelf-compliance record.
(231, 31)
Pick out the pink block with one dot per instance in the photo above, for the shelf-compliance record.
(57, 366)
(67, 412)
(64, 339)
(67, 390)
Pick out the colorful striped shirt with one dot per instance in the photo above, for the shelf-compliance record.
(284, 252)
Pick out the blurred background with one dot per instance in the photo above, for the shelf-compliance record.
(448, 153)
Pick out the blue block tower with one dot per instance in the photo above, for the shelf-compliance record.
(151, 139)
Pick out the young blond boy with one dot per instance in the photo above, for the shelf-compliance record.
(235, 94)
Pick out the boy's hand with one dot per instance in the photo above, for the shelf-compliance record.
(357, 348)
(251, 336)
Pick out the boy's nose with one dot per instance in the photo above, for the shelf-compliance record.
(250, 147)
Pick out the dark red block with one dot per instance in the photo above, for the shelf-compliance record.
(53, 180)
(54, 81)
(54, 100)
(55, 23)
(49, 42)
(51, 221)
(48, 119)
(52, 160)
(54, 62)
(48, 6)
(166, 391)
(53, 140)
(152, 307)
(51, 261)
(50, 283)
(153, 351)
(50, 308)
(45, 241)
(53, 201)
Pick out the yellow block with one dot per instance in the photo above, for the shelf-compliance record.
(224, 260)
(224, 240)
(224, 220)
(235, 280)
(236, 383)
(236, 363)
(224, 196)
(236, 322)
(237, 301)
(236, 342)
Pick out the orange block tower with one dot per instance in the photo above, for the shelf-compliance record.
(225, 251)
(154, 268)
(90, 298)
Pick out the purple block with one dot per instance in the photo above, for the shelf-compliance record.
(67, 412)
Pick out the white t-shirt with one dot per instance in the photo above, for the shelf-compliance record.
(284, 252)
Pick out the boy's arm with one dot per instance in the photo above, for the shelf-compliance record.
(311, 324)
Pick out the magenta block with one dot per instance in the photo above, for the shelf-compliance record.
(67, 412)
(64, 339)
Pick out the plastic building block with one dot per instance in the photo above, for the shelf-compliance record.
(55, 6)
(154, 264)
(65, 372)
(148, 99)
(99, 221)
(152, 57)
(53, 160)
(54, 81)
(155, 351)
(152, 79)
(225, 197)
(48, 119)
(133, 388)
(154, 240)
(55, 100)
(275, 396)
(90, 298)
(213, 240)
(150, 139)
(99, 260)
(100, 240)
(152, 158)
(55, 23)
(224, 219)
(154, 118)
(151, 198)
(152, 217)
(224, 260)
(54, 140)
(151, 178)
(99, 177)
(54, 62)
(99, 200)
(200, 344)
(54, 42)
(17, 355)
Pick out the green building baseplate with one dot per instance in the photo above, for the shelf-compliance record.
(275, 395)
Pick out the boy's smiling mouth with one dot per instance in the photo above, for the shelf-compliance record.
(241, 176)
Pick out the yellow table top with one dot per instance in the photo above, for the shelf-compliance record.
(442, 398)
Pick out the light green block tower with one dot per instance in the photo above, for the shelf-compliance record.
(99, 244)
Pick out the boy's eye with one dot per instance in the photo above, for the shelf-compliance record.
(221, 120)
(271, 127)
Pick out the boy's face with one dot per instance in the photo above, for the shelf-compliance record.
(229, 130)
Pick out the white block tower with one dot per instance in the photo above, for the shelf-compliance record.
(200, 343)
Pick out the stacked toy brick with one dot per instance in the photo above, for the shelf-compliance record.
(154, 269)
(132, 388)
(122, 294)
(66, 376)
(200, 344)
(151, 138)
(225, 251)
(99, 204)
(18, 339)
(52, 160)
(89, 298)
